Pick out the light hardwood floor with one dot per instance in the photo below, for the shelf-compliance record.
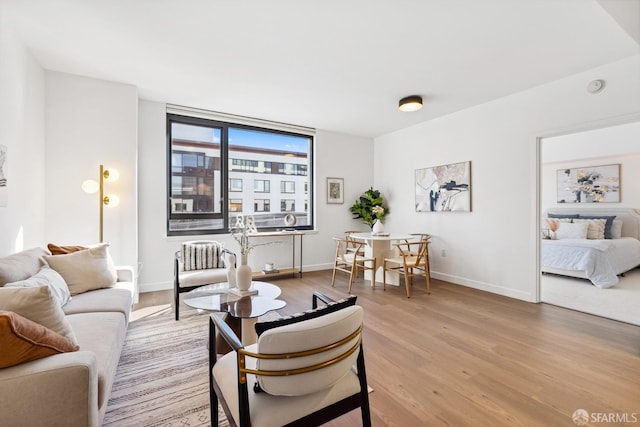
(463, 357)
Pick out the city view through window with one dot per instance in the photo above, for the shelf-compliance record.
(268, 176)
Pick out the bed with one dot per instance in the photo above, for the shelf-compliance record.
(599, 260)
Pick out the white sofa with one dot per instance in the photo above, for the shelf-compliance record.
(68, 389)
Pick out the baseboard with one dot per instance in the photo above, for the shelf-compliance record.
(488, 287)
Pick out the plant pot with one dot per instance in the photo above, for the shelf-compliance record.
(243, 274)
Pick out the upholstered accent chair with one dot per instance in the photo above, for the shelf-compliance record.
(304, 370)
(198, 263)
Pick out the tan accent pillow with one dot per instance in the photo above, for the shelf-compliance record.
(47, 276)
(85, 270)
(596, 227)
(38, 305)
(23, 340)
(63, 250)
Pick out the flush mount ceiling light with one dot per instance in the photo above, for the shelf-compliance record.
(410, 103)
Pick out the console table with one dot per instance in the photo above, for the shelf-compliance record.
(281, 271)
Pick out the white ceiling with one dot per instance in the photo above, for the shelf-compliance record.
(339, 65)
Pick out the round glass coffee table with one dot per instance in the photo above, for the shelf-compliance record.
(216, 297)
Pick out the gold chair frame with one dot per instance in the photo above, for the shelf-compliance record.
(320, 416)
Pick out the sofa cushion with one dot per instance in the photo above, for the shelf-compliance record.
(102, 334)
(46, 277)
(39, 305)
(21, 265)
(23, 340)
(114, 299)
(85, 270)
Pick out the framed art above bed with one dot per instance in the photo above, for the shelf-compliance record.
(590, 184)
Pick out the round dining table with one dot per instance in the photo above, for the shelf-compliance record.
(380, 247)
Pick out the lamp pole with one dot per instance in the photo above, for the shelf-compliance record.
(101, 199)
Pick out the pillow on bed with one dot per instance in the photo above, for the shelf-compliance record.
(616, 229)
(596, 227)
(552, 215)
(568, 230)
(607, 227)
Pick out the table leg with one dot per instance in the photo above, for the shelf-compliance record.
(249, 335)
(380, 249)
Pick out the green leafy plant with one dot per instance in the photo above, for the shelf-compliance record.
(369, 207)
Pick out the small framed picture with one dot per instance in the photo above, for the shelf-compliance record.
(335, 190)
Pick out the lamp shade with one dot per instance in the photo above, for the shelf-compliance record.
(90, 186)
(410, 103)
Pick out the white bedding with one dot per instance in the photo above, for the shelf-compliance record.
(599, 260)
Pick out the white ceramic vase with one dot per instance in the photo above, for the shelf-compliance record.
(378, 227)
(243, 274)
(231, 270)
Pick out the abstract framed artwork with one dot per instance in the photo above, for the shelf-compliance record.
(335, 190)
(590, 184)
(445, 188)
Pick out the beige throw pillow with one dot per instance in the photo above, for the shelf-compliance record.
(85, 270)
(39, 305)
(46, 277)
(596, 227)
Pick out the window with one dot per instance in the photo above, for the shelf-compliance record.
(235, 185)
(287, 186)
(262, 205)
(210, 159)
(262, 186)
(235, 205)
(287, 205)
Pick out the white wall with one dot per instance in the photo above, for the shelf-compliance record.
(91, 122)
(337, 155)
(22, 131)
(494, 247)
(605, 146)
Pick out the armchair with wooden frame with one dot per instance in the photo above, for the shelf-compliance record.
(300, 372)
(349, 258)
(412, 261)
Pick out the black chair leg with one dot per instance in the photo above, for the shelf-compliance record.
(176, 301)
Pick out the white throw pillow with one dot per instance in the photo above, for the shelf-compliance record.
(568, 230)
(596, 227)
(46, 277)
(37, 304)
(616, 229)
(85, 270)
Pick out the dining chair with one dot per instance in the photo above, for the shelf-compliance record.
(352, 247)
(412, 261)
(304, 370)
(351, 262)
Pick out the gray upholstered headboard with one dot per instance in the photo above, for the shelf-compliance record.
(630, 217)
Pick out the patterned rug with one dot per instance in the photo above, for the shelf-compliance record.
(162, 375)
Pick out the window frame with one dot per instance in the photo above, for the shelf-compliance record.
(224, 192)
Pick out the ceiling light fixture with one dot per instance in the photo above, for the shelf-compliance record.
(410, 103)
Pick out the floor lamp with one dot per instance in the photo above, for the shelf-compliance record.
(111, 200)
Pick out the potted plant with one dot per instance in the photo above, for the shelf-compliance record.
(369, 207)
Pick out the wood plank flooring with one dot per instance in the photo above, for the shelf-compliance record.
(463, 357)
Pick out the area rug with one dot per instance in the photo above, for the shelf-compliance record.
(162, 375)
